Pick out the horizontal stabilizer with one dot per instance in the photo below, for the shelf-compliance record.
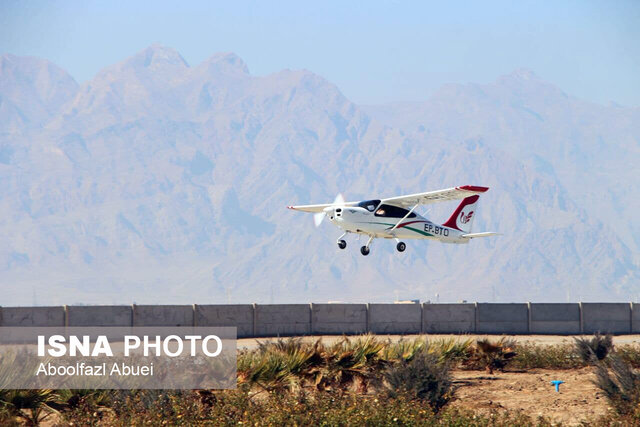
(485, 234)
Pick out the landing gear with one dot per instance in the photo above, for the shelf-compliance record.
(401, 246)
(365, 249)
(341, 242)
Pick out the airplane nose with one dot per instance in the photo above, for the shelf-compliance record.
(334, 213)
(337, 214)
(329, 211)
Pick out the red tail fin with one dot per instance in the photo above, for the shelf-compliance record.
(462, 217)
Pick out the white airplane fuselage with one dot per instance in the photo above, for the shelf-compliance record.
(360, 220)
(394, 217)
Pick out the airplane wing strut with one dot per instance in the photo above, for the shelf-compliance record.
(405, 217)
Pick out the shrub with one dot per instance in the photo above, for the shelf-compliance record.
(447, 349)
(546, 357)
(294, 364)
(423, 378)
(349, 361)
(491, 355)
(279, 365)
(71, 398)
(33, 406)
(620, 384)
(234, 407)
(596, 348)
(404, 349)
(629, 354)
(451, 349)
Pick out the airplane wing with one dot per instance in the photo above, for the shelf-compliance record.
(435, 196)
(318, 208)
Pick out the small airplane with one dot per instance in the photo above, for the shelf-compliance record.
(391, 219)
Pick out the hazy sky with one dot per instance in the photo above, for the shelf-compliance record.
(375, 52)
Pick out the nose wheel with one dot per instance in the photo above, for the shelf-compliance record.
(341, 242)
(401, 246)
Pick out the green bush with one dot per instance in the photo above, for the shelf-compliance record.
(234, 407)
(32, 406)
(352, 361)
(534, 356)
(621, 384)
(424, 378)
(491, 355)
(596, 348)
(404, 348)
(451, 350)
(629, 354)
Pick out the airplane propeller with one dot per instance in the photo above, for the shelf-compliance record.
(319, 217)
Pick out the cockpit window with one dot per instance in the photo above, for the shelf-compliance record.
(369, 205)
(391, 211)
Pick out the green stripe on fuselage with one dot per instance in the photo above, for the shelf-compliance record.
(424, 233)
(419, 231)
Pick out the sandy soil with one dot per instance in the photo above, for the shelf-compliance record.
(532, 393)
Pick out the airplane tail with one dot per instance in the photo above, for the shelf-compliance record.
(462, 217)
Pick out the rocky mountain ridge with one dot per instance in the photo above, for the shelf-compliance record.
(158, 182)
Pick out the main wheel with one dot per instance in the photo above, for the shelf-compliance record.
(364, 250)
(342, 244)
(401, 246)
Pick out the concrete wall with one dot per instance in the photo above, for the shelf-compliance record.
(612, 318)
(338, 319)
(32, 316)
(240, 316)
(555, 318)
(99, 315)
(502, 318)
(303, 319)
(162, 315)
(449, 318)
(395, 318)
(282, 319)
(635, 318)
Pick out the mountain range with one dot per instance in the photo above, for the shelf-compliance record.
(161, 182)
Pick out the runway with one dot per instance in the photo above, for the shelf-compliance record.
(251, 343)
